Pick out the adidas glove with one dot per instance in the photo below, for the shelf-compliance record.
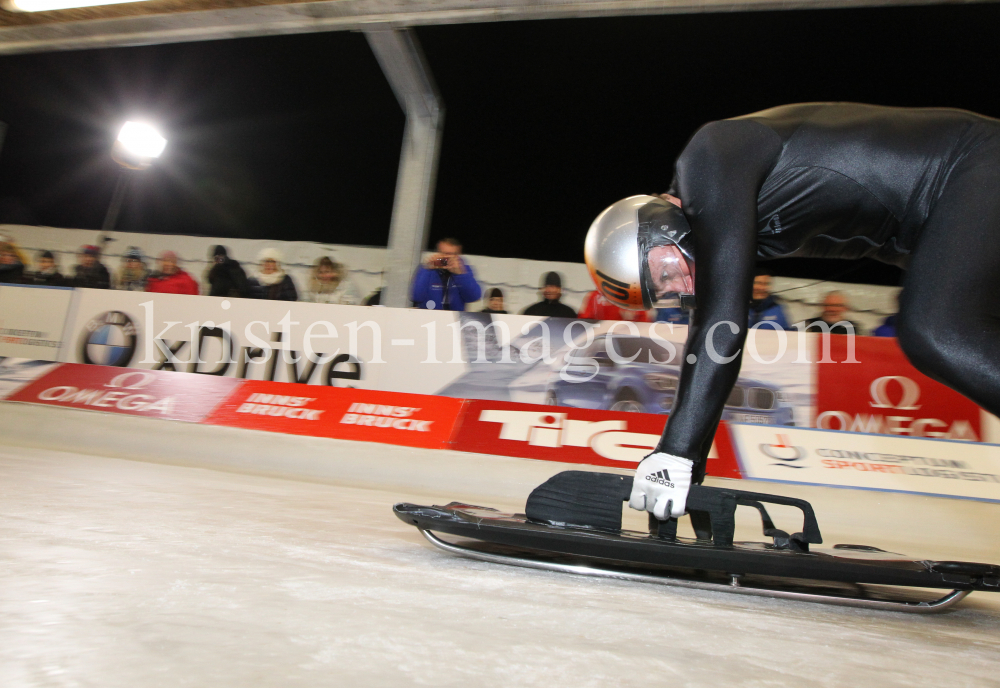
(661, 485)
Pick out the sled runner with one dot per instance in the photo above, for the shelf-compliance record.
(572, 523)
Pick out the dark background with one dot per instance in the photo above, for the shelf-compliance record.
(547, 122)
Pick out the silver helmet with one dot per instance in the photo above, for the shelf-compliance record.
(639, 253)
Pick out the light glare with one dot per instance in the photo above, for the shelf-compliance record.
(50, 5)
(141, 140)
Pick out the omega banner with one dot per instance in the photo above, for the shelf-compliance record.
(884, 394)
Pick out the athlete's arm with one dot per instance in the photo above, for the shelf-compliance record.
(718, 178)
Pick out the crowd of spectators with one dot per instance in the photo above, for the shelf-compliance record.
(445, 281)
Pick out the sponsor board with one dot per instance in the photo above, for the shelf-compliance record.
(237, 338)
(875, 462)
(584, 436)
(15, 373)
(153, 394)
(352, 414)
(884, 394)
(32, 320)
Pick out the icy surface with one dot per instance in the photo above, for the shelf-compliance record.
(122, 574)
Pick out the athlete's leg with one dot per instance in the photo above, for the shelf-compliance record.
(949, 318)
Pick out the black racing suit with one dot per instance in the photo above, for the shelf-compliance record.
(919, 188)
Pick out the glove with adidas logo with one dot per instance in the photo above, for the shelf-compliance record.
(661, 485)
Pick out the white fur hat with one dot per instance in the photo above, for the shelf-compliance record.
(270, 254)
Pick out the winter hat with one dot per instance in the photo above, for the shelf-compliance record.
(494, 293)
(552, 279)
(90, 250)
(220, 250)
(270, 254)
(132, 253)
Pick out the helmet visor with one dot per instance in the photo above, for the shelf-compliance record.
(666, 255)
(671, 275)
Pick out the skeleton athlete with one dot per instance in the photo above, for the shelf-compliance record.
(918, 188)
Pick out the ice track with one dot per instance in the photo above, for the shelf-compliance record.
(125, 574)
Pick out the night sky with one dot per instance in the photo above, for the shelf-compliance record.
(547, 122)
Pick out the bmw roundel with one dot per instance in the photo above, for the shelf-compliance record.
(108, 339)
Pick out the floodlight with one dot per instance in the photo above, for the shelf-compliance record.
(51, 5)
(141, 140)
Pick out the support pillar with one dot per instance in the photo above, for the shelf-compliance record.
(403, 64)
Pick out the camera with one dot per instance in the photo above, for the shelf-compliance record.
(441, 262)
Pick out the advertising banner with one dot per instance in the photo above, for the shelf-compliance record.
(17, 372)
(153, 394)
(352, 414)
(238, 338)
(876, 462)
(624, 366)
(568, 435)
(882, 393)
(32, 320)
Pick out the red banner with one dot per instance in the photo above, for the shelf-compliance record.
(155, 394)
(413, 420)
(882, 393)
(571, 435)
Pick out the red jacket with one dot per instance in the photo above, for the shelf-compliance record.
(596, 307)
(178, 283)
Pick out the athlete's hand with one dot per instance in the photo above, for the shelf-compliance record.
(661, 485)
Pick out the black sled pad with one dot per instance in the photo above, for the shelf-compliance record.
(580, 498)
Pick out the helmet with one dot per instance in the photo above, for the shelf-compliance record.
(620, 246)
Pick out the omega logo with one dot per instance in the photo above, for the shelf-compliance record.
(880, 393)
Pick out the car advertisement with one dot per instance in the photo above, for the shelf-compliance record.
(877, 462)
(627, 367)
(237, 338)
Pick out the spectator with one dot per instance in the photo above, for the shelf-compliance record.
(494, 302)
(270, 281)
(226, 278)
(445, 281)
(171, 279)
(550, 306)
(677, 316)
(375, 298)
(47, 274)
(90, 272)
(763, 306)
(132, 274)
(11, 266)
(888, 326)
(329, 283)
(834, 307)
(596, 307)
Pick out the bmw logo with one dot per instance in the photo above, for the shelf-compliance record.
(108, 339)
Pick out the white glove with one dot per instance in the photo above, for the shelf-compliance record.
(661, 485)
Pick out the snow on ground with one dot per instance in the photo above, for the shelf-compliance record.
(124, 574)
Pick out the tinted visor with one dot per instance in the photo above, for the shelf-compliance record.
(662, 225)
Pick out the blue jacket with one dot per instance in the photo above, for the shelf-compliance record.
(887, 328)
(428, 289)
(677, 316)
(767, 310)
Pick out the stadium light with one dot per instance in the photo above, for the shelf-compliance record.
(52, 5)
(138, 144)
